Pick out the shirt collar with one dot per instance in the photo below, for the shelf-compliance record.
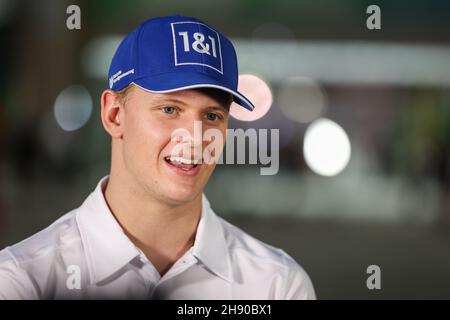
(108, 249)
(210, 245)
(106, 246)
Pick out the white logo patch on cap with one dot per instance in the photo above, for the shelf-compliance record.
(196, 43)
(117, 76)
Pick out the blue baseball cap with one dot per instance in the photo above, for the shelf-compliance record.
(173, 53)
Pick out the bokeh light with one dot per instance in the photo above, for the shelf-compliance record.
(97, 55)
(273, 31)
(258, 91)
(302, 99)
(73, 108)
(326, 147)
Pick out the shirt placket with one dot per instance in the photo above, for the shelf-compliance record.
(184, 263)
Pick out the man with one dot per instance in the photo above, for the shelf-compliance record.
(147, 231)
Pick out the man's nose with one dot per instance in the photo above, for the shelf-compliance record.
(190, 135)
(195, 133)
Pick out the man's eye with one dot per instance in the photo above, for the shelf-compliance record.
(211, 116)
(169, 110)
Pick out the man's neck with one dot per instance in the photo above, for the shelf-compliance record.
(163, 232)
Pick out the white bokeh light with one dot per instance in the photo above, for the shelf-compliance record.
(326, 147)
(73, 108)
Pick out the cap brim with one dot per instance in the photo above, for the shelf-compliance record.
(170, 82)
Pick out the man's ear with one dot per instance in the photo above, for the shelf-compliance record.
(112, 110)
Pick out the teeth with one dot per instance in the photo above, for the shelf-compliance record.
(182, 160)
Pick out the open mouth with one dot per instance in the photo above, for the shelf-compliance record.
(182, 163)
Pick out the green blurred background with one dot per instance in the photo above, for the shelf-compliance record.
(388, 89)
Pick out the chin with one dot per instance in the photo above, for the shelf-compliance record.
(180, 194)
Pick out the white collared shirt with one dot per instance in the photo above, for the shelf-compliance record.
(86, 255)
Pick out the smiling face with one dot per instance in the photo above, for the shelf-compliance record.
(147, 152)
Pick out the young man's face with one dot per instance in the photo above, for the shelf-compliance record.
(149, 123)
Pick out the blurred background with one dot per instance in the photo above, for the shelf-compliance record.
(363, 118)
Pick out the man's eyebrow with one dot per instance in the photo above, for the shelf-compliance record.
(214, 108)
(174, 100)
(160, 100)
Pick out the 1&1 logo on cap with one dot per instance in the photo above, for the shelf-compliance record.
(191, 39)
